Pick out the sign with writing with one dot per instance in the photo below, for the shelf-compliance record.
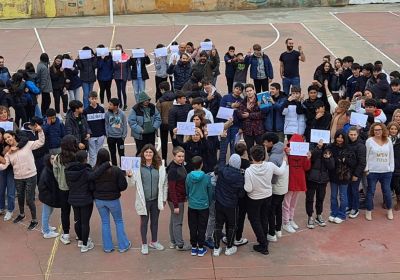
(67, 64)
(117, 55)
(186, 128)
(319, 134)
(215, 129)
(358, 119)
(7, 126)
(102, 51)
(206, 46)
(299, 148)
(225, 113)
(160, 52)
(85, 54)
(130, 163)
(138, 53)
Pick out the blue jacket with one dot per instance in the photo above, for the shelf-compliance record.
(227, 101)
(229, 66)
(136, 120)
(199, 190)
(105, 69)
(275, 120)
(53, 133)
(253, 62)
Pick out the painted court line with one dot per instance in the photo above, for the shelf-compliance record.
(316, 38)
(393, 13)
(39, 40)
(52, 254)
(365, 40)
(278, 35)
(112, 38)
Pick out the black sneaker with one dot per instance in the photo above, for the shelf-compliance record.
(320, 221)
(19, 218)
(125, 108)
(310, 223)
(263, 249)
(32, 225)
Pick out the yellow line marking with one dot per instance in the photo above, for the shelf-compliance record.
(112, 37)
(52, 255)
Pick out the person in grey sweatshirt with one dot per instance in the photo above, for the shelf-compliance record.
(116, 129)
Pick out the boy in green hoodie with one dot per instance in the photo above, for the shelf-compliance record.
(199, 191)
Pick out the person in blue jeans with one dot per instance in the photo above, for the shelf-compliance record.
(340, 176)
(87, 74)
(139, 74)
(358, 146)
(289, 65)
(380, 167)
(109, 182)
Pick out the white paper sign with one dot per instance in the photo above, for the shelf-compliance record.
(358, 106)
(130, 163)
(85, 54)
(174, 48)
(318, 134)
(138, 53)
(160, 52)
(299, 148)
(215, 129)
(7, 126)
(117, 55)
(102, 51)
(225, 113)
(206, 46)
(358, 119)
(186, 128)
(67, 63)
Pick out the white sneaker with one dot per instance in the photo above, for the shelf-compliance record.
(278, 233)
(80, 242)
(293, 224)
(230, 251)
(272, 238)
(89, 246)
(288, 228)
(65, 239)
(156, 245)
(172, 245)
(50, 229)
(8, 216)
(51, 234)
(240, 242)
(145, 249)
(331, 219)
(217, 252)
(338, 220)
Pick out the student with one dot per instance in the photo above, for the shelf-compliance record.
(105, 73)
(358, 146)
(207, 65)
(95, 119)
(151, 194)
(229, 59)
(87, 73)
(164, 104)
(295, 121)
(259, 190)
(54, 131)
(80, 198)
(49, 195)
(181, 71)
(139, 75)
(144, 121)
(109, 182)
(176, 198)
(25, 172)
(371, 108)
(44, 81)
(116, 129)
(298, 166)
(57, 76)
(122, 73)
(19, 98)
(199, 194)
(393, 100)
(380, 166)
(76, 124)
(354, 83)
(275, 151)
(161, 66)
(4, 73)
(197, 104)
(72, 81)
(260, 68)
(274, 120)
(228, 190)
(340, 117)
(317, 179)
(241, 69)
(394, 130)
(322, 119)
(178, 113)
(213, 97)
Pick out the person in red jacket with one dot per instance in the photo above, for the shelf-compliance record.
(298, 166)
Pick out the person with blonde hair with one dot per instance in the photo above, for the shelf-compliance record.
(380, 165)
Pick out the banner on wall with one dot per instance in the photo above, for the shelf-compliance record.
(355, 2)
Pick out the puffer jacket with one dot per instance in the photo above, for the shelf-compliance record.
(320, 166)
(295, 120)
(105, 69)
(136, 120)
(49, 193)
(77, 178)
(109, 182)
(87, 68)
(360, 152)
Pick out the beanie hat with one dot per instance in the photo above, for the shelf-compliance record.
(143, 97)
(235, 161)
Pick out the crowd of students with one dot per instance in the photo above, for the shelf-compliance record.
(64, 156)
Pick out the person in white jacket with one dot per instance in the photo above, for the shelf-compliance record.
(151, 185)
(259, 190)
(380, 167)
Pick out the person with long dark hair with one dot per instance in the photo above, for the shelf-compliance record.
(87, 68)
(31, 82)
(19, 98)
(104, 75)
(122, 73)
(58, 82)
(44, 81)
(72, 81)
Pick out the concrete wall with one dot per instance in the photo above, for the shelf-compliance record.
(58, 8)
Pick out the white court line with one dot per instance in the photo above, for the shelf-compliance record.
(316, 38)
(278, 35)
(38, 38)
(393, 13)
(365, 40)
(174, 39)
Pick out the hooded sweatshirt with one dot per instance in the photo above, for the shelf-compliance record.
(279, 183)
(257, 179)
(199, 190)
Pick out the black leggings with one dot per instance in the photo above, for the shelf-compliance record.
(258, 211)
(105, 86)
(46, 100)
(82, 216)
(65, 211)
(164, 132)
(275, 215)
(227, 216)
(319, 190)
(115, 144)
(59, 94)
(121, 89)
(153, 213)
(241, 217)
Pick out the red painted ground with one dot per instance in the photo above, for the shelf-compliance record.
(384, 35)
